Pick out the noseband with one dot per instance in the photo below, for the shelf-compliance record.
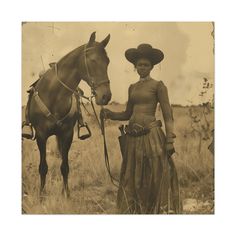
(90, 79)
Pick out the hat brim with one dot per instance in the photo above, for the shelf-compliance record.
(154, 55)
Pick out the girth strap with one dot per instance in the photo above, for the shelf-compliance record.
(48, 113)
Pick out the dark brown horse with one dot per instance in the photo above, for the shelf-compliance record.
(88, 62)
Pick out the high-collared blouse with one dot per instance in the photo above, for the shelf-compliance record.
(143, 97)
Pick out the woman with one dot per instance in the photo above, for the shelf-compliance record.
(148, 179)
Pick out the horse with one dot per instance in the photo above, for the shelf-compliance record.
(50, 108)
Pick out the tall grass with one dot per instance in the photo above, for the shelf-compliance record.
(90, 186)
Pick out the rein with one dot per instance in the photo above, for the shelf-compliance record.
(101, 125)
(114, 181)
(90, 80)
(67, 87)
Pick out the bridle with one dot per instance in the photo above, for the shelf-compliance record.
(90, 79)
(93, 86)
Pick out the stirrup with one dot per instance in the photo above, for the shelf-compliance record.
(29, 133)
(86, 135)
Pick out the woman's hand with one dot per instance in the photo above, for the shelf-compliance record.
(170, 149)
(105, 113)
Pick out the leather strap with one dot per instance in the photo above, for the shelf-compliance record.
(48, 113)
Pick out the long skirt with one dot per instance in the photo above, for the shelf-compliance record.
(148, 178)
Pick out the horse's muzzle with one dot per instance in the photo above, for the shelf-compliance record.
(106, 98)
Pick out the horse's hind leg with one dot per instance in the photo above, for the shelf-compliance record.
(65, 141)
(43, 167)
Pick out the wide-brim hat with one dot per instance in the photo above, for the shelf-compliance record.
(144, 51)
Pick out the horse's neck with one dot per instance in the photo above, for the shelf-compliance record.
(67, 70)
(51, 89)
(68, 80)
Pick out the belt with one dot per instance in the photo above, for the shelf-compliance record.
(137, 130)
(156, 123)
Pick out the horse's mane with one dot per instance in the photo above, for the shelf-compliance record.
(74, 53)
(71, 55)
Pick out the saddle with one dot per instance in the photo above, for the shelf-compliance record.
(83, 129)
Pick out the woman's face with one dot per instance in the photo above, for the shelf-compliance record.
(144, 67)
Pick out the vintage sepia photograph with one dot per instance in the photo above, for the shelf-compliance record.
(118, 118)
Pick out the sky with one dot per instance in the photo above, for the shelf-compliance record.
(187, 46)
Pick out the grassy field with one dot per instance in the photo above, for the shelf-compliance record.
(90, 186)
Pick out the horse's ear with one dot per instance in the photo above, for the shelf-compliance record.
(105, 41)
(92, 38)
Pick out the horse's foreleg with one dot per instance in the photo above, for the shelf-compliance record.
(65, 143)
(43, 167)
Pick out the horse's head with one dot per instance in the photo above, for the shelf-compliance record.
(93, 67)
